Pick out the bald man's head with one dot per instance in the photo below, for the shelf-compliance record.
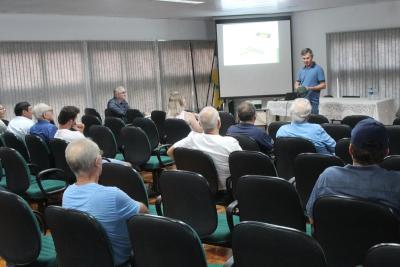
(209, 119)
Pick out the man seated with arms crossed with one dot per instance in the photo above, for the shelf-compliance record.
(210, 142)
(118, 104)
(365, 178)
(247, 116)
(300, 110)
(109, 205)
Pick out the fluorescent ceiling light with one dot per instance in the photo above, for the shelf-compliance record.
(183, 1)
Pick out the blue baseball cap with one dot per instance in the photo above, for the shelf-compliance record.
(369, 133)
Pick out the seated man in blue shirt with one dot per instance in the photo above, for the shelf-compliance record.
(43, 127)
(300, 110)
(109, 205)
(365, 178)
(247, 117)
(118, 105)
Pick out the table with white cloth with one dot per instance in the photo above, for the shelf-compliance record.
(382, 110)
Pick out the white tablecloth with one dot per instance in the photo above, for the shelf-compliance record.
(382, 110)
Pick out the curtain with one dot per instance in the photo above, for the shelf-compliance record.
(84, 74)
(364, 59)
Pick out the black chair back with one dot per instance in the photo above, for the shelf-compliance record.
(227, 120)
(93, 112)
(79, 238)
(347, 227)
(393, 132)
(271, 200)
(175, 243)
(115, 125)
(105, 139)
(246, 142)
(391, 163)
(57, 148)
(126, 179)
(342, 150)
(16, 171)
(88, 121)
(137, 150)
(273, 128)
(175, 130)
(198, 162)
(110, 113)
(132, 114)
(337, 131)
(158, 116)
(149, 127)
(387, 254)
(12, 141)
(307, 169)
(286, 150)
(249, 162)
(352, 120)
(318, 119)
(192, 203)
(395, 122)
(39, 152)
(20, 234)
(262, 244)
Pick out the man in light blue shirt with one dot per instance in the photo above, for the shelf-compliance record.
(109, 205)
(300, 110)
(312, 77)
(365, 178)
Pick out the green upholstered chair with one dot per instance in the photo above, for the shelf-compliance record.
(164, 242)
(138, 152)
(19, 180)
(106, 141)
(186, 196)
(22, 243)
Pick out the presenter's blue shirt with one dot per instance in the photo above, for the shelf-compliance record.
(370, 182)
(260, 136)
(314, 133)
(111, 207)
(311, 76)
(44, 130)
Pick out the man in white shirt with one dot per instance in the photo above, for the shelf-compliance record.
(68, 129)
(21, 124)
(210, 142)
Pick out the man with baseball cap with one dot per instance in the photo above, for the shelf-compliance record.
(365, 178)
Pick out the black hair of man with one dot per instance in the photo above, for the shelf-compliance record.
(20, 107)
(67, 113)
(246, 111)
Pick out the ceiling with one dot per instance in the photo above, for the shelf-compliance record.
(155, 9)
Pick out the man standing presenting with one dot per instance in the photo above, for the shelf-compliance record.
(312, 78)
(118, 104)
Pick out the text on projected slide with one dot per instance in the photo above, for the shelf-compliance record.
(251, 43)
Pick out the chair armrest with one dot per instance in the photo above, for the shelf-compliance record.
(158, 205)
(158, 154)
(228, 183)
(33, 168)
(230, 211)
(44, 174)
(229, 263)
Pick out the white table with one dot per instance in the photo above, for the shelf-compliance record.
(382, 110)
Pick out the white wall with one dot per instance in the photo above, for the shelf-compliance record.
(310, 28)
(56, 27)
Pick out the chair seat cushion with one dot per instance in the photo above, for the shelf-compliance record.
(152, 210)
(119, 156)
(222, 234)
(47, 256)
(153, 162)
(48, 185)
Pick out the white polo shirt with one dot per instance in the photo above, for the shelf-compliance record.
(20, 126)
(217, 147)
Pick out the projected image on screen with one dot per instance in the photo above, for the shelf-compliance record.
(251, 43)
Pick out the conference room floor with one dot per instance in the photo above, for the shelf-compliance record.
(215, 254)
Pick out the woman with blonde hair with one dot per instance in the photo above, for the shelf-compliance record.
(176, 109)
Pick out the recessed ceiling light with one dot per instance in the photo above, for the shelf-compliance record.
(183, 1)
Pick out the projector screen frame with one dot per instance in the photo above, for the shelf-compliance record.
(255, 19)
